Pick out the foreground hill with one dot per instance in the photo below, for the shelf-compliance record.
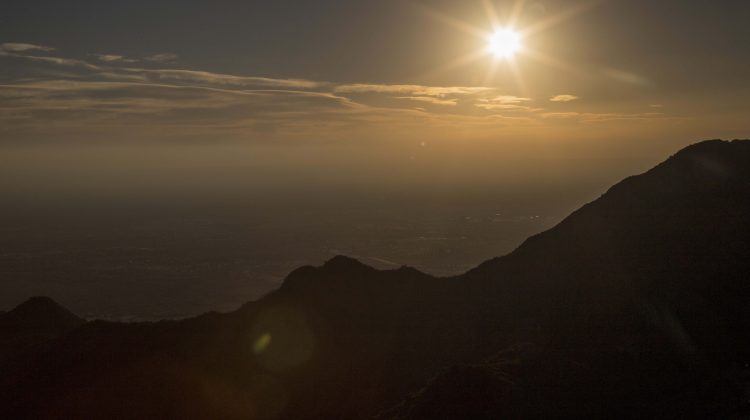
(637, 305)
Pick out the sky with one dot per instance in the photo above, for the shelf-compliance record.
(228, 142)
(132, 90)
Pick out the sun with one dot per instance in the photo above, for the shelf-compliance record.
(504, 43)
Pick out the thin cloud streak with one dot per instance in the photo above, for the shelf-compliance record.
(417, 90)
(161, 57)
(591, 117)
(563, 98)
(23, 47)
(431, 100)
(114, 58)
(222, 79)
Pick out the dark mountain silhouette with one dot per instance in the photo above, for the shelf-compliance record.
(32, 324)
(635, 306)
(37, 316)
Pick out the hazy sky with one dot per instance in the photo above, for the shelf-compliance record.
(597, 79)
(278, 132)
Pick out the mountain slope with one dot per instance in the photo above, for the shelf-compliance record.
(673, 242)
(636, 305)
(647, 286)
(37, 316)
(31, 326)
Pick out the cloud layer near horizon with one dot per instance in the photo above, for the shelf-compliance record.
(83, 98)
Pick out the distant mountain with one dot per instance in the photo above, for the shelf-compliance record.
(635, 306)
(32, 325)
(38, 316)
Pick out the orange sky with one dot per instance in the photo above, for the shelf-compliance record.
(322, 86)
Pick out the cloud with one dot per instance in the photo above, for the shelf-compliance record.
(462, 98)
(161, 57)
(21, 47)
(563, 98)
(108, 98)
(614, 116)
(593, 117)
(507, 107)
(90, 105)
(561, 115)
(161, 75)
(452, 96)
(507, 100)
(109, 58)
(455, 90)
(414, 90)
(194, 76)
(67, 62)
(626, 77)
(431, 100)
(504, 102)
(113, 58)
(89, 109)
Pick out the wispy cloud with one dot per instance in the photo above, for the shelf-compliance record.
(627, 77)
(593, 117)
(431, 100)
(87, 104)
(194, 76)
(22, 47)
(504, 102)
(60, 61)
(161, 57)
(113, 58)
(415, 90)
(563, 98)
(109, 96)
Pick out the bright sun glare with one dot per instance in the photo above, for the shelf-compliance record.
(504, 43)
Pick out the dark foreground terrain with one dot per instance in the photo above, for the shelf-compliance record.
(635, 306)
